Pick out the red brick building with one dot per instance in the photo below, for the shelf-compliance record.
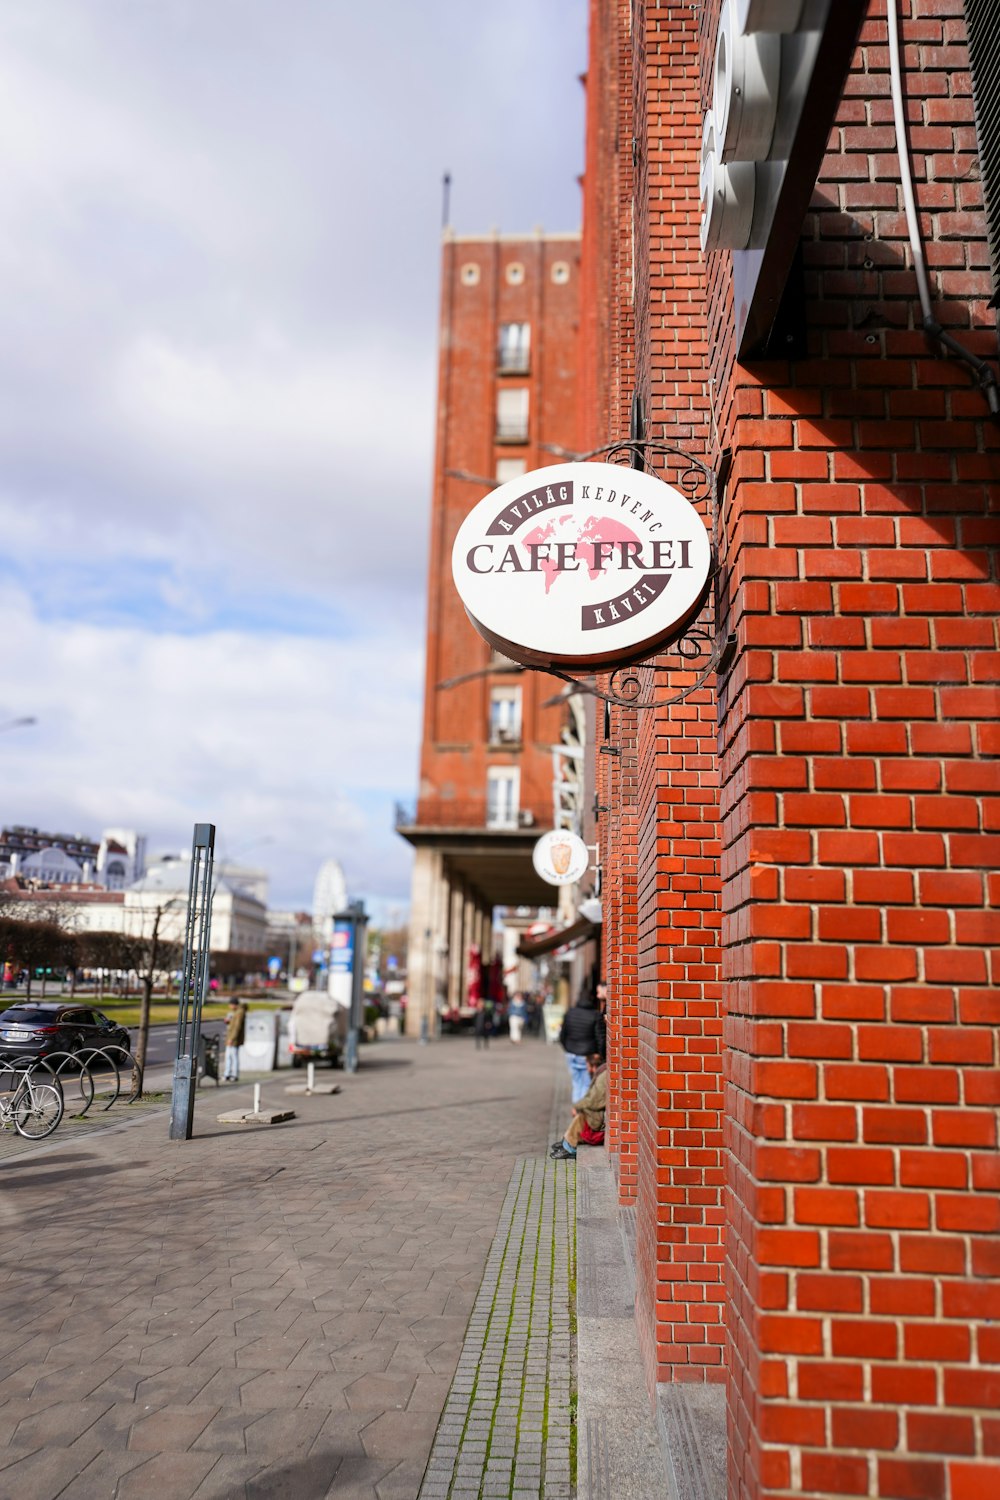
(507, 397)
(800, 857)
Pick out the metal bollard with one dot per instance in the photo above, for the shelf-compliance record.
(256, 1098)
(310, 1077)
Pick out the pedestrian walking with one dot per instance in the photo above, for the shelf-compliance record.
(483, 1024)
(581, 1033)
(517, 1014)
(236, 1030)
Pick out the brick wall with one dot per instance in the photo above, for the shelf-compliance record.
(855, 732)
(661, 839)
(606, 383)
(680, 1191)
(856, 736)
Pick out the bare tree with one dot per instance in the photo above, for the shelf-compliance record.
(35, 944)
(147, 952)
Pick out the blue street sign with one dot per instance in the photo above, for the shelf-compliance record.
(342, 948)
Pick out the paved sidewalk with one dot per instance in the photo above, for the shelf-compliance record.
(506, 1431)
(280, 1312)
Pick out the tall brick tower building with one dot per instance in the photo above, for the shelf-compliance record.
(507, 396)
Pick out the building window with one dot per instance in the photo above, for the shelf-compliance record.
(512, 416)
(515, 273)
(505, 716)
(502, 789)
(470, 274)
(560, 272)
(514, 352)
(510, 468)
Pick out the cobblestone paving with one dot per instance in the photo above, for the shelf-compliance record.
(506, 1432)
(121, 1116)
(280, 1314)
(506, 1429)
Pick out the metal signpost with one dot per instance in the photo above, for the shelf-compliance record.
(194, 981)
(349, 927)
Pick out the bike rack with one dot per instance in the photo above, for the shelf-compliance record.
(137, 1072)
(84, 1060)
(68, 1058)
(92, 1052)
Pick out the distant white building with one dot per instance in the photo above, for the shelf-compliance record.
(32, 854)
(239, 920)
(121, 858)
(247, 878)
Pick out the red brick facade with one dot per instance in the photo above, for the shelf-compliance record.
(478, 297)
(803, 859)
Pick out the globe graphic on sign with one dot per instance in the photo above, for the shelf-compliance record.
(584, 532)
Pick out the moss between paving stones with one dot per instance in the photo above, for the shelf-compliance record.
(469, 1438)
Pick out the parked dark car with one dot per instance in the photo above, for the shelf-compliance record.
(34, 1030)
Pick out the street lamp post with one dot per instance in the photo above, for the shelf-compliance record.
(194, 981)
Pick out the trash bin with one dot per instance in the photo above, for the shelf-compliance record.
(257, 1055)
(208, 1058)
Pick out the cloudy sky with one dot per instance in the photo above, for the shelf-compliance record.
(219, 253)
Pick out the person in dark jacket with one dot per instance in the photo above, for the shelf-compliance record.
(581, 1033)
(483, 1024)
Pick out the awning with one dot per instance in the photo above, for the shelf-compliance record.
(567, 937)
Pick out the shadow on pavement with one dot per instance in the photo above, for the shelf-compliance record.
(350, 1119)
(50, 1179)
(310, 1478)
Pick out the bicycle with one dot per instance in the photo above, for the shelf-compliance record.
(33, 1109)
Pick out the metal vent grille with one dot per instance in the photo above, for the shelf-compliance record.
(984, 56)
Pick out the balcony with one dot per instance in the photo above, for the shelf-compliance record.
(512, 430)
(497, 862)
(504, 736)
(514, 362)
(471, 815)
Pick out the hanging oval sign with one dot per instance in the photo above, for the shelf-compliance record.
(560, 857)
(581, 565)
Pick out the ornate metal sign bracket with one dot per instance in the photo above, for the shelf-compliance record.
(702, 647)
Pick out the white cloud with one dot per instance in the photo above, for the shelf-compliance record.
(304, 742)
(219, 248)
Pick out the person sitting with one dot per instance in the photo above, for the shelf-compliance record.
(587, 1125)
